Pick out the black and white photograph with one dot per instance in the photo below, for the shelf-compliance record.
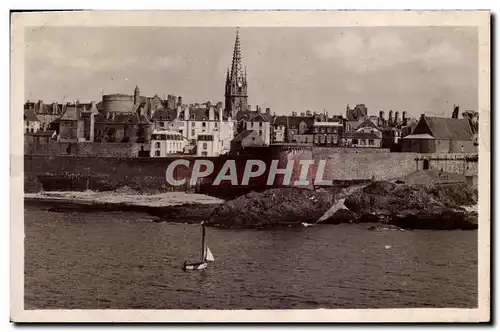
(250, 166)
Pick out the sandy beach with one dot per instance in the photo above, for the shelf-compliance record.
(156, 200)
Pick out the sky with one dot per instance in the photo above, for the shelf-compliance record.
(417, 69)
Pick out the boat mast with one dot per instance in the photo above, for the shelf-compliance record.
(203, 243)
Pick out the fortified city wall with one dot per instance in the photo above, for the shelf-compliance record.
(81, 172)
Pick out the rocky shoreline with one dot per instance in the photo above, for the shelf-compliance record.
(437, 207)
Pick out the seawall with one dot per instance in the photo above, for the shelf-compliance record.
(76, 173)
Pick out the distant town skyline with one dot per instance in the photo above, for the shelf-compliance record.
(420, 70)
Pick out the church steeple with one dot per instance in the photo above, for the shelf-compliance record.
(236, 82)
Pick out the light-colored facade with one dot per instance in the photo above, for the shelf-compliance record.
(195, 120)
(164, 143)
(208, 145)
(261, 124)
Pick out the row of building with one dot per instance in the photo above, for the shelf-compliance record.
(210, 129)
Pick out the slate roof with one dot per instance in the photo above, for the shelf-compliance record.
(29, 115)
(294, 121)
(280, 120)
(244, 134)
(72, 114)
(242, 115)
(164, 114)
(449, 128)
(419, 136)
(122, 118)
(367, 123)
(359, 111)
(261, 117)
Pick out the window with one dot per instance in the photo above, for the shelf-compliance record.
(215, 124)
(260, 124)
(260, 132)
(355, 141)
(192, 124)
(162, 124)
(157, 145)
(157, 153)
(193, 133)
(371, 142)
(203, 124)
(251, 123)
(205, 145)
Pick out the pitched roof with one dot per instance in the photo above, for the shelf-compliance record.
(164, 114)
(294, 121)
(261, 117)
(244, 134)
(360, 135)
(122, 118)
(449, 128)
(419, 136)
(280, 120)
(72, 113)
(367, 123)
(242, 115)
(359, 111)
(29, 115)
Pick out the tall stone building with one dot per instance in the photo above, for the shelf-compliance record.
(236, 96)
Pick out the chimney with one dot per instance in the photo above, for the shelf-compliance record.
(179, 110)
(249, 108)
(179, 101)
(396, 117)
(382, 114)
(257, 107)
(422, 116)
(294, 113)
(209, 104)
(308, 113)
(454, 115)
(211, 112)
(405, 120)
(302, 114)
(268, 110)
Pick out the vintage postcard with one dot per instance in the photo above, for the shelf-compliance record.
(250, 166)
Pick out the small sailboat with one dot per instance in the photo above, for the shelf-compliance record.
(206, 254)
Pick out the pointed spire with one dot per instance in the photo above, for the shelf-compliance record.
(236, 70)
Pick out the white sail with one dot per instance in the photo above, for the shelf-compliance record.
(208, 255)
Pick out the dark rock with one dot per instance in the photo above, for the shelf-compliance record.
(272, 208)
(340, 217)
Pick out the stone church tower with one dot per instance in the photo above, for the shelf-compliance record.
(236, 97)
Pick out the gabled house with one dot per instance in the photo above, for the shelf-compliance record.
(440, 135)
(261, 123)
(246, 139)
(367, 135)
(31, 121)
